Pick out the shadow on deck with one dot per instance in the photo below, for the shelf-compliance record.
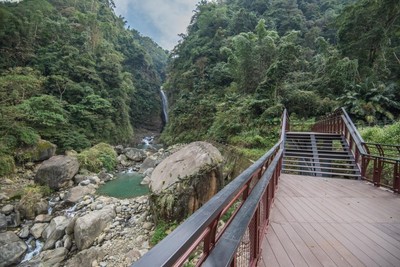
(332, 222)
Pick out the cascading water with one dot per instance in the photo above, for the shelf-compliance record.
(164, 106)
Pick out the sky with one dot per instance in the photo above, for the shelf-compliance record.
(161, 20)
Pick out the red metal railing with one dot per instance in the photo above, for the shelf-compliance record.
(236, 240)
(382, 170)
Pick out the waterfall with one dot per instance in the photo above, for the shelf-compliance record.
(164, 106)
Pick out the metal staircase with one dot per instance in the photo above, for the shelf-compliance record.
(318, 154)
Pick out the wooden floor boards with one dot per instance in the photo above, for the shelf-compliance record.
(319, 221)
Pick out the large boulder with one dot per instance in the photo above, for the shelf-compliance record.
(88, 227)
(32, 205)
(76, 193)
(54, 231)
(12, 249)
(53, 258)
(43, 150)
(135, 154)
(57, 171)
(185, 180)
(86, 257)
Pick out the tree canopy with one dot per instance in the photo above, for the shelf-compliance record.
(72, 73)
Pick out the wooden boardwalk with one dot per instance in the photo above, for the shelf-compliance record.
(332, 222)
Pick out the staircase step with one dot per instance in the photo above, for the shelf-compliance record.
(321, 167)
(319, 158)
(328, 155)
(324, 163)
(319, 151)
(322, 173)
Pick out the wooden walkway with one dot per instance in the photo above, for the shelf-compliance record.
(332, 222)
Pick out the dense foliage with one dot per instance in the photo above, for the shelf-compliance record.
(241, 62)
(71, 73)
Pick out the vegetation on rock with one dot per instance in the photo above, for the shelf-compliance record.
(98, 157)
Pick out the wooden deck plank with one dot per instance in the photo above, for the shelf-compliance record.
(318, 221)
(294, 255)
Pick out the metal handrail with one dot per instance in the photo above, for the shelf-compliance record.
(339, 122)
(201, 226)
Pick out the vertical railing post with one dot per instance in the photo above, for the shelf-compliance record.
(396, 177)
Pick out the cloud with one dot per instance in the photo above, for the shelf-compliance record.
(162, 20)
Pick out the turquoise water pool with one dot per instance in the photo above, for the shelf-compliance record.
(126, 185)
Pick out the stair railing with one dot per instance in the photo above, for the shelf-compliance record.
(237, 240)
(382, 170)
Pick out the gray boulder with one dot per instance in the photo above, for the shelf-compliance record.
(43, 150)
(86, 257)
(37, 229)
(149, 162)
(3, 222)
(53, 257)
(7, 209)
(54, 231)
(76, 193)
(88, 227)
(57, 171)
(29, 209)
(135, 154)
(185, 180)
(12, 249)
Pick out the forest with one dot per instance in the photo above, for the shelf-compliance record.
(73, 74)
(242, 61)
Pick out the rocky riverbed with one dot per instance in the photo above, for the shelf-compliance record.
(75, 226)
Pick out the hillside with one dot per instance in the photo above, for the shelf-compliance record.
(241, 62)
(71, 73)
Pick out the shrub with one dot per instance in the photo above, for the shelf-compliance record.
(7, 165)
(100, 156)
(162, 230)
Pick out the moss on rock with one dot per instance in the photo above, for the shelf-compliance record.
(42, 150)
(7, 165)
(98, 157)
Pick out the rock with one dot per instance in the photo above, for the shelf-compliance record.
(88, 227)
(105, 177)
(41, 218)
(86, 257)
(70, 228)
(14, 219)
(43, 150)
(7, 209)
(79, 178)
(76, 193)
(53, 257)
(146, 180)
(185, 180)
(94, 180)
(24, 233)
(149, 162)
(135, 154)
(12, 249)
(57, 171)
(54, 231)
(119, 149)
(3, 222)
(3, 196)
(37, 229)
(147, 225)
(84, 182)
(68, 242)
(133, 255)
(148, 172)
(30, 207)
